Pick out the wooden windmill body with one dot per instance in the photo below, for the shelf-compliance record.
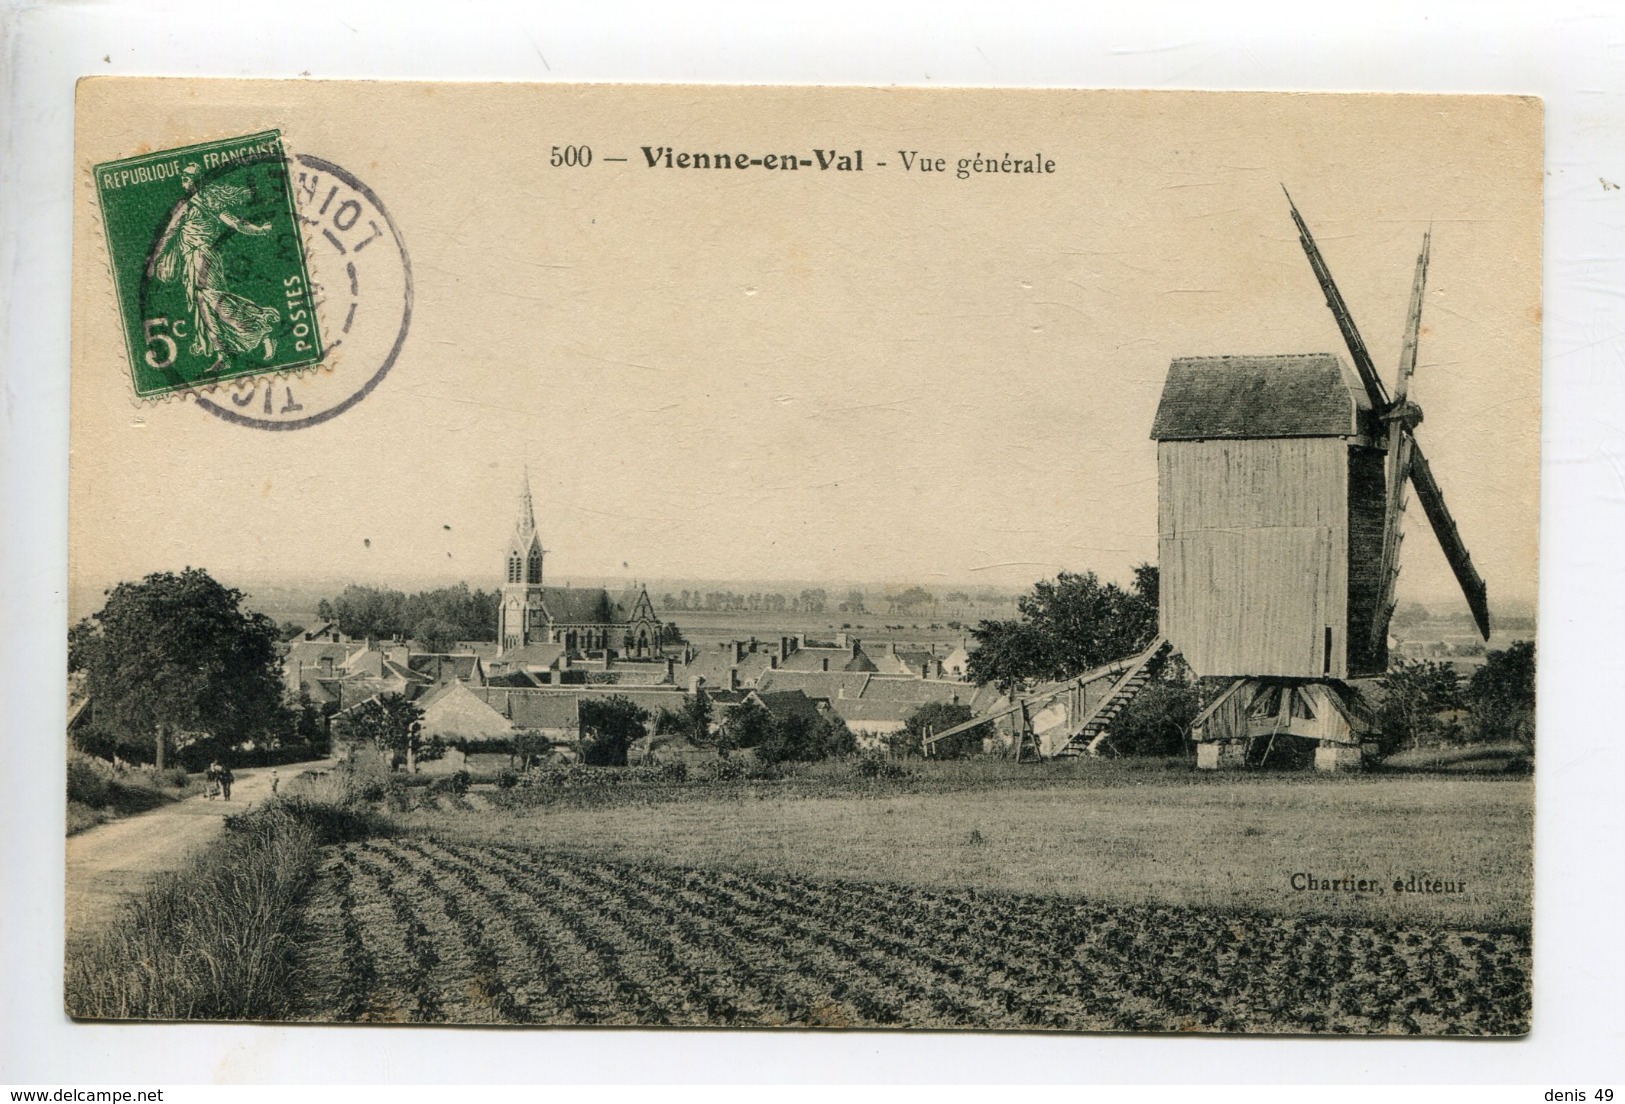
(1281, 483)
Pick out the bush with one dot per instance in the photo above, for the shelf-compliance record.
(722, 770)
(883, 769)
(507, 778)
(90, 781)
(456, 782)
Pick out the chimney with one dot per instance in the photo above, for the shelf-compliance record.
(925, 669)
(800, 641)
(671, 669)
(772, 663)
(891, 648)
(696, 683)
(825, 662)
(753, 645)
(733, 678)
(739, 651)
(564, 661)
(606, 659)
(936, 668)
(784, 648)
(840, 640)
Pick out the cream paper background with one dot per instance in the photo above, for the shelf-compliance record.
(884, 376)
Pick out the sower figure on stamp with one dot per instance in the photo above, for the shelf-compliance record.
(223, 322)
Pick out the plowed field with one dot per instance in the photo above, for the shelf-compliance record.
(419, 930)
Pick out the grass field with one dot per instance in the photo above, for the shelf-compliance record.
(1094, 831)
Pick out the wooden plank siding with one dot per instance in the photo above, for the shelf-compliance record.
(1254, 554)
(1368, 498)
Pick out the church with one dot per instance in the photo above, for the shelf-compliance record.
(578, 619)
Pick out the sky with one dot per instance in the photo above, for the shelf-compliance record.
(886, 376)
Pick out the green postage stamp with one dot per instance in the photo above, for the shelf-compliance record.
(208, 263)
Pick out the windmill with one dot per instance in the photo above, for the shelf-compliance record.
(1281, 490)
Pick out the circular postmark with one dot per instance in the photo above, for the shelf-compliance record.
(361, 276)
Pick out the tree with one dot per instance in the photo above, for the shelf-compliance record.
(435, 635)
(179, 651)
(608, 727)
(1067, 626)
(389, 723)
(1414, 693)
(528, 745)
(696, 719)
(748, 725)
(1158, 720)
(311, 721)
(912, 600)
(1501, 695)
(934, 717)
(1409, 616)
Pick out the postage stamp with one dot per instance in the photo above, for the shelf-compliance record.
(208, 263)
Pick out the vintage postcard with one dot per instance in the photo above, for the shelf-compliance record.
(756, 557)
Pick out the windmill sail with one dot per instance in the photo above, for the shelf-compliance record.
(1340, 311)
(1444, 527)
(1416, 465)
(1399, 456)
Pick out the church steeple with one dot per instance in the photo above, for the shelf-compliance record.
(522, 614)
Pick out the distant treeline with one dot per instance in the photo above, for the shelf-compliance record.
(434, 618)
(913, 600)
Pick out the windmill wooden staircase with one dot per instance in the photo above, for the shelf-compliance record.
(1096, 727)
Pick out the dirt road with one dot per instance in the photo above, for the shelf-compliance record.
(111, 862)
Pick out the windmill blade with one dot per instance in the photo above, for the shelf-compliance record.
(1444, 527)
(1413, 321)
(1400, 424)
(1340, 311)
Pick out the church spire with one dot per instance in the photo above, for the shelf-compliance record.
(527, 511)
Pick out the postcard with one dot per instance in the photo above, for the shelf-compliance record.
(803, 557)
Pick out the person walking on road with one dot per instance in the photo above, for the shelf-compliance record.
(225, 782)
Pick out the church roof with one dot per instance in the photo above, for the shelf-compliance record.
(578, 605)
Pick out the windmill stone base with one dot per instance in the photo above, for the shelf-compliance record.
(1338, 757)
(1254, 710)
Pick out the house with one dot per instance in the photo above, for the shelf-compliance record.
(956, 664)
(784, 704)
(883, 705)
(453, 711)
(309, 660)
(732, 663)
(441, 667)
(845, 654)
(904, 659)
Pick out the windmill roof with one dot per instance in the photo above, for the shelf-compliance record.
(1304, 395)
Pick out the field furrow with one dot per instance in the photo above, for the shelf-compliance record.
(570, 962)
(425, 929)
